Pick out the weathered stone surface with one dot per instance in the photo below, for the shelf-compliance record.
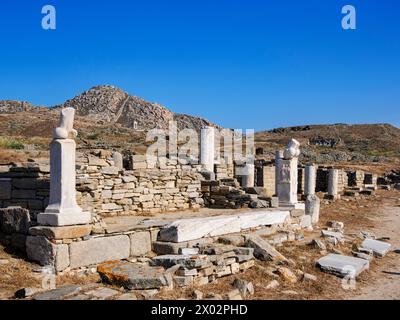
(161, 247)
(110, 170)
(134, 276)
(236, 240)
(305, 221)
(189, 251)
(67, 232)
(99, 250)
(59, 293)
(127, 296)
(263, 218)
(189, 262)
(140, 243)
(41, 250)
(102, 293)
(312, 207)
(379, 248)
(287, 274)
(14, 220)
(319, 244)
(245, 287)
(263, 250)
(5, 188)
(233, 295)
(342, 265)
(332, 234)
(62, 257)
(190, 229)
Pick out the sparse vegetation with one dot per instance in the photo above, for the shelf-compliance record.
(11, 143)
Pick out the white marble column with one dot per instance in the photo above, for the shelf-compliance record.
(207, 148)
(333, 180)
(63, 209)
(310, 174)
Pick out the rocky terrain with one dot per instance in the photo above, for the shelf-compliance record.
(108, 117)
(363, 143)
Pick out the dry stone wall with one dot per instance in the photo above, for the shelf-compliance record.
(106, 189)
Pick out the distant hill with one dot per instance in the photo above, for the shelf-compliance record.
(337, 142)
(108, 117)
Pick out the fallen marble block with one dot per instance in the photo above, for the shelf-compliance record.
(191, 229)
(342, 266)
(263, 250)
(332, 234)
(379, 248)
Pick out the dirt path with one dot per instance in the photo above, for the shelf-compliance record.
(386, 274)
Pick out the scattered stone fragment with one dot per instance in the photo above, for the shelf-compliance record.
(201, 281)
(102, 293)
(173, 269)
(134, 276)
(362, 255)
(287, 274)
(335, 224)
(213, 296)
(272, 285)
(342, 266)
(309, 277)
(263, 250)
(245, 287)
(127, 296)
(319, 244)
(197, 295)
(58, 294)
(332, 234)
(27, 292)
(189, 262)
(290, 292)
(4, 262)
(233, 295)
(184, 281)
(379, 248)
(184, 272)
(366, 235)
(148, 294)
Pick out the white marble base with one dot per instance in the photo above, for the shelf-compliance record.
(63, 219)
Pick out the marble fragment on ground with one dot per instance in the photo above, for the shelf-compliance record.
(379, 248)
(342, 266)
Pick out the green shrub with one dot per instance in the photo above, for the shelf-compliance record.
(10, 143)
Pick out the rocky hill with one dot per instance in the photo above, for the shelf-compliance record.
(337, 142)
(108, 104)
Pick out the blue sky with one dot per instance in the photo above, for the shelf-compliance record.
(240, 63)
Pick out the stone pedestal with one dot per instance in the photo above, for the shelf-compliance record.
(248, 177)
(312, 207)
(287, 185)
(63, 209)
(278, 158)
(310, 173)
(333, 180)
(207, 148)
